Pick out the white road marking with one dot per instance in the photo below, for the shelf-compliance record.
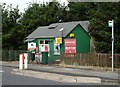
(1, 71)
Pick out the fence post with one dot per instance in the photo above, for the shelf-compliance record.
(98, 59)
(15, 55)
(9, 55)
(114, 64)
(88, 59)
(109, 60)
(115, 60)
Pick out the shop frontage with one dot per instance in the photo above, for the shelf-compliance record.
(47, 43)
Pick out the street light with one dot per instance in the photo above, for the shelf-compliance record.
(111, 24)
(61, 30)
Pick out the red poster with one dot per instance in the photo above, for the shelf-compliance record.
(70, 45)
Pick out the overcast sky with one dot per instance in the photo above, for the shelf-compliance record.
(23, 3)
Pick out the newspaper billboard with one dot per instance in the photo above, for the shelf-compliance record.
(70, 45)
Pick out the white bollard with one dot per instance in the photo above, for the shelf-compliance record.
(21, 61)
(25, 61)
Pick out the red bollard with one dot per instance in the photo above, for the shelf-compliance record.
(23, 57)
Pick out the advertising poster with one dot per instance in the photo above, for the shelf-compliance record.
(70, 45)
(31, 46)
(58, 40)
(44, 47)
(56, 49)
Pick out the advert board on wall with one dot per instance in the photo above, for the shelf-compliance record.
(70, 45)
(44, 48)
(31, 45)
(56, 49)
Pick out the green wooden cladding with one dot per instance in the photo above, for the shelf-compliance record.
(82, 41)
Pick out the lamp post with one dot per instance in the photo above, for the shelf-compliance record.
(61, 30)
(111, 24)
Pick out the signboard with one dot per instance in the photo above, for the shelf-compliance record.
(44, 47)
(58, 40)
(110, 23)
(56, 49)
(31, 45)
(70, 45)
(72, 35)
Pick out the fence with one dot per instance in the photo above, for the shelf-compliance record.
(91, 59)
(85, 59)
(52, 58)
(11, 55)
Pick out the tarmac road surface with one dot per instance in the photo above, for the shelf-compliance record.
(11, 79)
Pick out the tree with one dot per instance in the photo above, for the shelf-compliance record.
(40, 15)
(99, 26)
(36, 15)
(15, 23)
(10, 27)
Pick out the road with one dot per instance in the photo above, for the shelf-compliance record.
(11, 79)
(70, 71)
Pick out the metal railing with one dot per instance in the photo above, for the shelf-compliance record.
(11, 55)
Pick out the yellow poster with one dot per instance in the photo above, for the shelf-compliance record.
(58, 40)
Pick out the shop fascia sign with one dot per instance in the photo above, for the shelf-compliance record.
(31, 45)
(58, 40)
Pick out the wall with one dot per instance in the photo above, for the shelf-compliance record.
(82, 43)
(52, 57)
(82, 40)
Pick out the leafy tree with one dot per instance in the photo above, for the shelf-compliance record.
(17, 26)
(98, 14)
(10, 27)
(99, 26)
(15, 23)
(40, 15)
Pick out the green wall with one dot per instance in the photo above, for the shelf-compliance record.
(51, 43)
(82, 43)
(82, 40)
(51, 58)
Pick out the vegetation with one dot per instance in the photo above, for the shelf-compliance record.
(17, 26)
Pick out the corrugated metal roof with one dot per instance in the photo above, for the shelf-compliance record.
(45, 32)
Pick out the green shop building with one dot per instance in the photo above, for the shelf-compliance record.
(57, 38)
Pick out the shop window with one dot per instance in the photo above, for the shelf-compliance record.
(47, 41)
(41, 41)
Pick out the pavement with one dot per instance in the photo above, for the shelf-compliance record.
(81, 74)
(8, 78)
(57, 77)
